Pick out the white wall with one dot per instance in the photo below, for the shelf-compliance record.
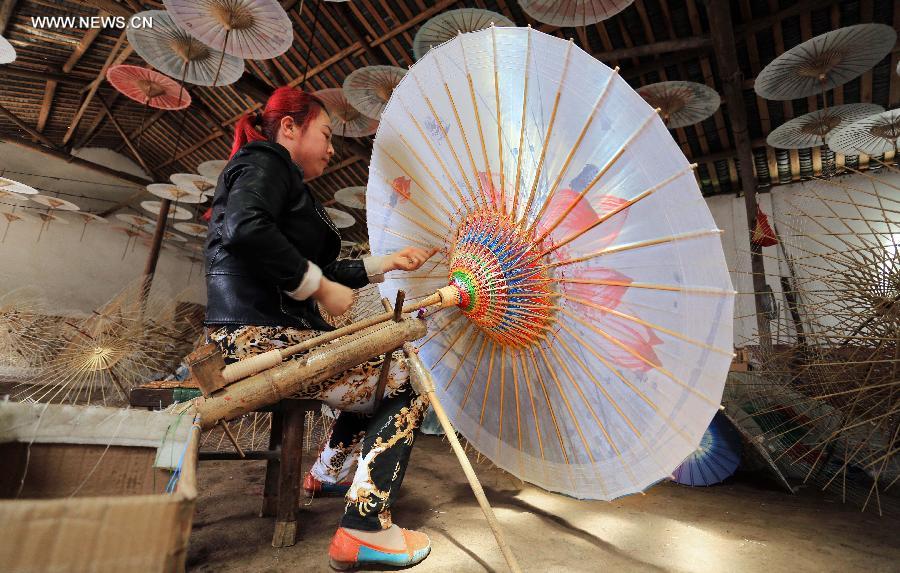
(805, 213)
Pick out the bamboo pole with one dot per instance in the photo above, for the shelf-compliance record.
(423, 383)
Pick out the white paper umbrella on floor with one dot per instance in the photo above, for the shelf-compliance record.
(873, 135)
(341, 219)
(825, 62)
(16, 187)
(175, 193)
(369, 89)
(589, 349)
(815, 128)
(446, 25)
(175, 212)
(573, 13)
(247, 29)
(346, 120)
(354, 197)
(196, 184)
(681, 103)
(176, 53)
(7, 52)
(212, 168)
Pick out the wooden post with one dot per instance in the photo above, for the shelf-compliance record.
(153, 257)
(722, 35)
(289, 475)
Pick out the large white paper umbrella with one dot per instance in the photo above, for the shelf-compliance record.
(872, 135)
(174, 52)
(16, 187)
(248, 29)
(589, 349)
(573, 13)
(446, 25)
(175, 193)
(815, 128)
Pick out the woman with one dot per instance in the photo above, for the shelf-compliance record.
(271, 256)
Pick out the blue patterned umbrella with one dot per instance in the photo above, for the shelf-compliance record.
(715, 459)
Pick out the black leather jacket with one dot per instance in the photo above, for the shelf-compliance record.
(265, 228)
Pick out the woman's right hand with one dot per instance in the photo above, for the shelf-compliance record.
(334, 297)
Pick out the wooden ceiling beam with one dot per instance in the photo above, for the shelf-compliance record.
(73, 126)
(110, 6)
(6, 11)
(27, 128)
(124, 136)
(50, 89)
(439, 7)
(17, 72)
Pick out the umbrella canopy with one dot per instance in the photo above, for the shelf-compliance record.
(11, 186)
(681, 103)
(369, 89)
(192, 229)
(717, 457)
(872, 135)
(825, 62)
(446, 25)
(148, 87)
(211, 169)
(175, 193)
(815, 128)
(136, 220)
(54, 202)
(573, 13)
(346, 120)
(176, 53)
(341, 219)
(175, 212)
(7, 52)
(354, 197)
(588, 348)
(195, 184)
(247, 29)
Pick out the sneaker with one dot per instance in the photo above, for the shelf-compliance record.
(314, 487)
(348, 552)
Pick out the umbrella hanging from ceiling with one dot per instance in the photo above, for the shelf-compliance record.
(681, 103)
(148, 87)
(447, 25)
(369, 89)
(346, 120)
(573, 13)
(873, 135)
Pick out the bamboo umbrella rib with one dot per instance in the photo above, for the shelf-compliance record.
(587, 448)
(548, 134)
(462, 403)
(441, 329)
(499, 123)
(519, 155)
(636, 245)
(462, 360)
(515, 374)
(537, 425)
(540, 379)
(408, 238)
(651, 286)
(487, 387)
(562, 170)
(658, 328)
(502, 389)
(430, 173)
(415, 222)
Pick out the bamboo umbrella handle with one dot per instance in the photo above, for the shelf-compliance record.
(420, 376)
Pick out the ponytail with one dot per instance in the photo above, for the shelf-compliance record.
(284, 101)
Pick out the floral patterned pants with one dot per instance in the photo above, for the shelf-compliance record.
(383, 439)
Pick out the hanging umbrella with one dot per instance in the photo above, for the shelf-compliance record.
(136, 220)
(354, 197)
(717, 457)
(872, 135)
(816, 128)
(14, 217)
(369, 89)
(192, 229)
(341, 219)
(346, 120)
(54, 202)
(8, 185)
(176, 53)
(588, 350)
(447, 25)
(211, 169)
(572, 13)
(46, 219)
(825, 62)
(175, 193)
(148, 87)
(175, 212)
(87, 219)
(170, 236)
(194, 184)
(247, 29)
(7, 52)
(682, 103)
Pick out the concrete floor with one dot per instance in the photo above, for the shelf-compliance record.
(744, 525)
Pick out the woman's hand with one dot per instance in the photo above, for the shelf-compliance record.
(409, 259)
(334, 297)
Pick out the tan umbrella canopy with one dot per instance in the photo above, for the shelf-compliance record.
(872, 135)
(346, 120)
(815, 128)
(573, 13)
(368, 89)
(446, 25)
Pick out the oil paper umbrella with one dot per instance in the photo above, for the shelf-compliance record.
(873, 135)
(87, 219)
(175, 212)
(346, 120)
(148, 87)
(681, 103)
(192, 229)
(354, 197)
(446, 25)
(54, 202)
(369, 89)
(573, 13)
(825, 61)
(341, 219)
(588, 350)
(14, 217)
(7, 52)
(247, 29)
(212, 168)
(8, 185)
(175, 193)
(176, 53)
(717, 457)
(195, 184)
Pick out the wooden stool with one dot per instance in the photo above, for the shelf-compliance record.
(283, 458)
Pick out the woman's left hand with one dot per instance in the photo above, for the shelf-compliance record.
(409, 259)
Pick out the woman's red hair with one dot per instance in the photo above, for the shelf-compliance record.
(284, 101)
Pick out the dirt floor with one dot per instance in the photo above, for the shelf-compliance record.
(744, 525)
